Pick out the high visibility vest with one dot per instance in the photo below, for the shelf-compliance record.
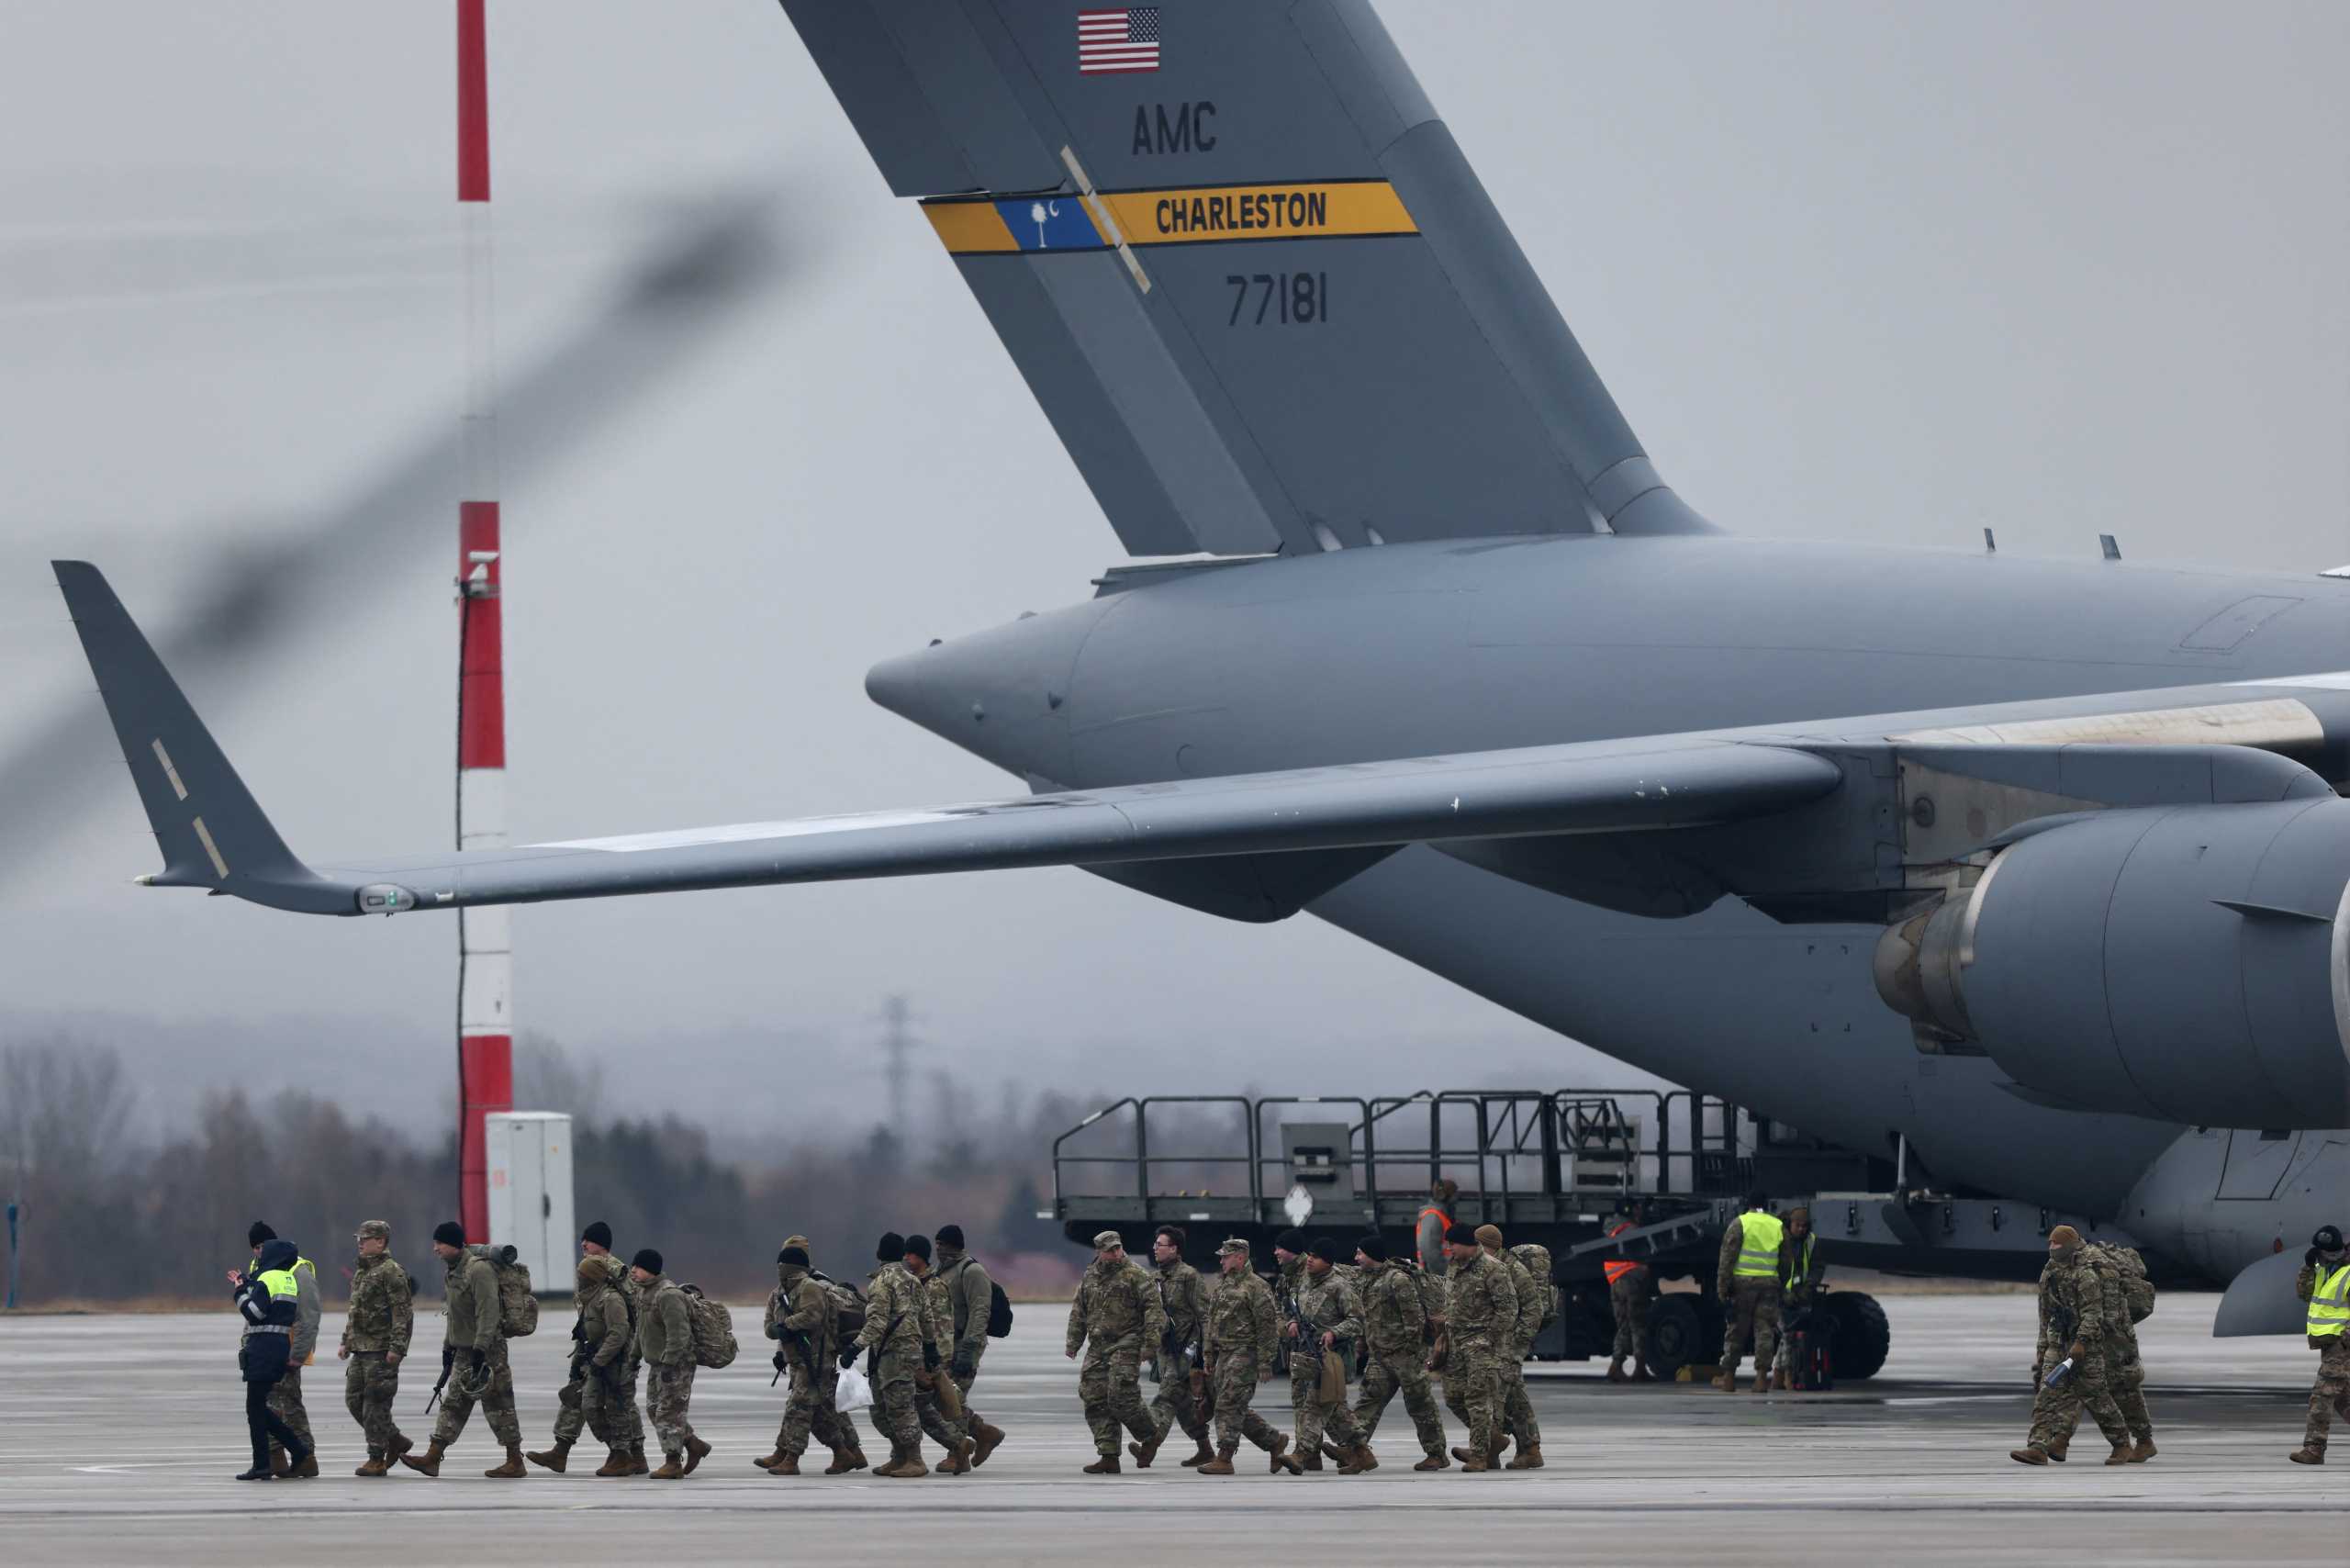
(281, 1284)
(1759, 1236)
(1439, 1214)
(1616, 1269)
(2330, 1302)
(1800, 1263)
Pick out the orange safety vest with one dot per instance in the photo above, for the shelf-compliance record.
(1614, 1269)
(1439, 1214)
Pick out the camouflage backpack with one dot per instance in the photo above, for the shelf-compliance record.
(1431, 1291)
(848, 1305)
(518, 1305)
(2129, 1270)
(714, 1328)
(1536, 1259)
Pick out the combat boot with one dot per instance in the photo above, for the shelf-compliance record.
(1333, 1452)
(553, 1459)
(636, 1459)
(307, 1468)
(1762, 1384)
(512, 1469)
(1434, 1462)
(1197, 1460)
(395, 1449)
(672, 1468)
(375, 1465)
(1528, 1459)
(1616, 1373)
(616, 1463)
(1145, 1452)
(964, 1448)
(989, 1439)
(696, 1451)
(1279, 1447)
(2144, 1450)
(1465, 1455)
(2121, 1454)
(2033, 1455)
(431, 1463)
(1783, 1381)
(1312, 1459)
(769, 1460)
(909, 1465)
(1358, 1458)
(2306, 1455)
(279, 1465)
(2057, 1448)
(1727, 1381)
(1473, 1464)
(1284, 1461)
(846, 1460)
(786, 1466)
(1106, 1465)
(1221, 1465)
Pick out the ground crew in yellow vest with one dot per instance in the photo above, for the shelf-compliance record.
(265, 1296)
(1395, 1338)
(664, 1338)
(963, 1297)
(1746, 1277)
(1801, 1278)
(2324, 1284)
(286, 1394)
(1517, 1407)
(805, 1324)
(1115, 1321)
(1182, 1384)
(473, 1354)
(596, 1242)
(602, 1340)
(1238, 1348)
(374, 1341)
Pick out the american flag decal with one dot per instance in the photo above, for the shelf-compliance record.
(1119, 41)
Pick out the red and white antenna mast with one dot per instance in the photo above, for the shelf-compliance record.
(485, 946)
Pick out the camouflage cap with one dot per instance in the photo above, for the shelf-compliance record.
(374, 1230)
(1105, 1240)
(1233, 1244)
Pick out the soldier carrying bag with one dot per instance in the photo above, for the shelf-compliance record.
(518, 1305)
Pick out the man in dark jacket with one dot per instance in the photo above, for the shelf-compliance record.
(267, 1298)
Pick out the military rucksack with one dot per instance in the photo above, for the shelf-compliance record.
(848, 1305)
(999, 1312)
(713, 1329)
(1536, 1259)
(1431, 1291)
(518, 1305)
(2130, 1269)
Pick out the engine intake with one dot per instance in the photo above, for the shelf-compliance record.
(2190, 964)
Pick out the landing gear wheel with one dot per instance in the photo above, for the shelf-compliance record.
(1859, 1337)
(1678, 1335)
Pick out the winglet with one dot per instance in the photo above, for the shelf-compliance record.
(212, 833)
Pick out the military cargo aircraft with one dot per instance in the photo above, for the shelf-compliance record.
(2040, 892)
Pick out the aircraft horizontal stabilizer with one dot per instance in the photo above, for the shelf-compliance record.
(1606, 787)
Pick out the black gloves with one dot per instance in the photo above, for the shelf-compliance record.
(2308, 1259)
(448, 1357)
(774, 1330)
(782, 1362)
(929, 1356)
(480, 1361)
(848, 1357)
(962, 1366)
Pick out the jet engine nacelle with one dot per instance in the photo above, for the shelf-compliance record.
(2184, 963)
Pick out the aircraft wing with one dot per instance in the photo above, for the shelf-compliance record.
(214, 835)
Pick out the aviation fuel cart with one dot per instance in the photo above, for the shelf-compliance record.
(1558, 1167)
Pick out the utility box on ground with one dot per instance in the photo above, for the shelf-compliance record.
(529, 1159)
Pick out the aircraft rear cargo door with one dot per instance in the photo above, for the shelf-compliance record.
(2256, 1163)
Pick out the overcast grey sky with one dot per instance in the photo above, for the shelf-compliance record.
(1853, 271)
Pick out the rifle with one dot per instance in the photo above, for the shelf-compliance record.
(448, 1361)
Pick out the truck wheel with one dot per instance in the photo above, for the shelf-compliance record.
(1860, 1338)
(1676, 1335)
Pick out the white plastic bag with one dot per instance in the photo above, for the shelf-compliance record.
(853, 1392)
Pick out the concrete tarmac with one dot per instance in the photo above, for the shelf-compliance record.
(119, 1436)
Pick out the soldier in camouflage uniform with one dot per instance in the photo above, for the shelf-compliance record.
(1182, 1384)
(1395, 1329)
(801, 1318)
(1322, 1320)
(595, 1398)
(1518, 1406)
(374, 1341)
(2125, 1375)
(2072, 1327)
(1114, 1320)
(474, 1349)
(1238, 1343)
(664, 1340)
(962, 1299)
(900, 1339)
(1481, 1319)
(596, 1242)
(940, 1418)
(2324, 1284)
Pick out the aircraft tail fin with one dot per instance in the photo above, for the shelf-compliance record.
(212, 833)
(1245, 268)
